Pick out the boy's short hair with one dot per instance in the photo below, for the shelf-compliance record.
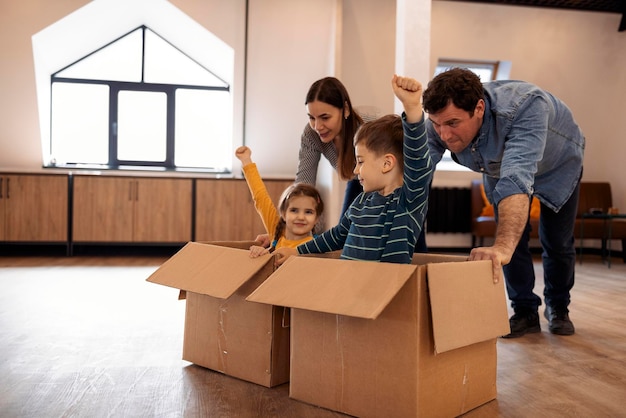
(382, 136)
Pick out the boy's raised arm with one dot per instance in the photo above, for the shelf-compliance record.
(409, 92)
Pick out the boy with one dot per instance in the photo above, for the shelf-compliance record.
(395, 170)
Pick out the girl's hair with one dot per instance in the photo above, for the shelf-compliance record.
(383, 136)
(459, 86)
(331, 91)
(297, 190)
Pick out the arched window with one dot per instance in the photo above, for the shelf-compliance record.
(140, 101)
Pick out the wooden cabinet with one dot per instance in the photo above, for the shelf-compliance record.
(115, 209)
(225, 210)
(33, 208)
(132, 210)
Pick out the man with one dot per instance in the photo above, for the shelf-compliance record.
(526, 143)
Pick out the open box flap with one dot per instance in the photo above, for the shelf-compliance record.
(467, 307)
(354, 288)
(427, 258)
(212, 270)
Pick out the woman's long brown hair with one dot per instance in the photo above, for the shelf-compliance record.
(331, 91)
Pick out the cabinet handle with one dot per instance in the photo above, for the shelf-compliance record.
(8, 188)
(1, 187)
(133, 190)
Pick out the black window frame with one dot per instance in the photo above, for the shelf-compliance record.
(115, 87)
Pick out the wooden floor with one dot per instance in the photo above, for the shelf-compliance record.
(87, 336)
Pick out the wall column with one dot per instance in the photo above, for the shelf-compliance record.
(413, 41)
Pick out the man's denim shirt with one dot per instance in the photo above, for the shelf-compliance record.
(528, 143)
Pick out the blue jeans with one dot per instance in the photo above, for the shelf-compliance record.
(556, 234)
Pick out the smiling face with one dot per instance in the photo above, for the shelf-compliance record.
(456, 128)
(371, 169)
(300, 217)
(325, 119)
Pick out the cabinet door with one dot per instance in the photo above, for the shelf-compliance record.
(103, 209)
(276, 188)
(225, 211)
(163, 210)
(35, 208)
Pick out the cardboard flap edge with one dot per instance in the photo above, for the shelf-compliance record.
(467, 306)
(209, 269)
(360, 289)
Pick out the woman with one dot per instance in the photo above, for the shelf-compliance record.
(330, 132)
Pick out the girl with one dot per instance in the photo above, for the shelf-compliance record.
(299, 210)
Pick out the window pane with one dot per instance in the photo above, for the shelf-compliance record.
(166, 64)
(119, 61)
(80, 123)
(484, 71)
(203, 128)
(141, 126)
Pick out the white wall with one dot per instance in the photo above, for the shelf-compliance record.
(290, 45)
(368, 53)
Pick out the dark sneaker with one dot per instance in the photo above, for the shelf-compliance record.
(523, 322)
(558, 321)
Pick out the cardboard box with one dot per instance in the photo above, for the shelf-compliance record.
(391, 340)
(223, 331)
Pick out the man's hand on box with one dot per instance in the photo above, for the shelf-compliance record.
(497, 258)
